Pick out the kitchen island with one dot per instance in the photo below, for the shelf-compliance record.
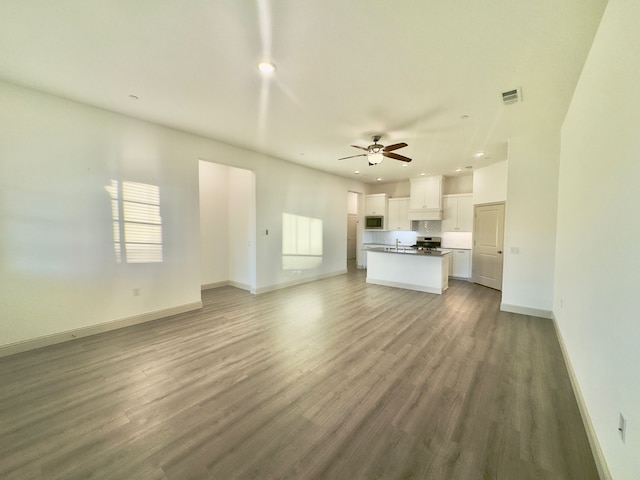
(424, 271)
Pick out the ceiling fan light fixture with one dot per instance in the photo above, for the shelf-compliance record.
(375, 158)
(266, 67)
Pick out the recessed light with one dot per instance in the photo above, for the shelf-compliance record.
(266, 67)
(378, 179)
(422, 174)
(458, 169)
(357, 172)
(404, 165)
(468, 167)
(478, 154)
(134, 97)
(464, 117)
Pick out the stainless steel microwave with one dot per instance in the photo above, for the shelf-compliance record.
(374, 222)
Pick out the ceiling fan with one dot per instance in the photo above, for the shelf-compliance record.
(376, 152)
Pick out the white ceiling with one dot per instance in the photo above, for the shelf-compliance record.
(346, 69)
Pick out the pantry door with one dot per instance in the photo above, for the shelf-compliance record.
(488, 245)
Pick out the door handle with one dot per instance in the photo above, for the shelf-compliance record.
(500, 252)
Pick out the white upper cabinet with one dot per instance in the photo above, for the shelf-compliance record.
(375, 204)
(458, 213)
(399, 214)
(426, 198)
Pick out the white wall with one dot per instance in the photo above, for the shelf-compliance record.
(214, 223)
(458, 184)
(598, 261)
(352, 203)
(530, 223)
(287, 188)
(58, 272)
(395, 190)
(227, 219)
(241, 241)
(490, 183)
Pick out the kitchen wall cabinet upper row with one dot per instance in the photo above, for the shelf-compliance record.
(375, 204)
(399, 214)
(457, 213)
(426, 198)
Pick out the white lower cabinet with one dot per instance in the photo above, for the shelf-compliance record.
(460, 264)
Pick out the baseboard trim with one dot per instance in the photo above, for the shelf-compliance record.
(241, 286)
(293, 283)
(210, 286)
(406, 286)
(55, 338)
(533, 312)
(596, 450)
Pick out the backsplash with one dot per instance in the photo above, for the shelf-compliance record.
(429, 228)
(389, 237)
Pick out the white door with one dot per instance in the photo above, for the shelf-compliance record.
(488, 239)
(352, 233)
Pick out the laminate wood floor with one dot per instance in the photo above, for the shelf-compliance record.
(334, 379)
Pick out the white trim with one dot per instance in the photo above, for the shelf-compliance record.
(226, 283)
(293, 283)
(406, 286)
(61, 337)
(596, 450)
(241, 286)
(210, 286)
(534, 312)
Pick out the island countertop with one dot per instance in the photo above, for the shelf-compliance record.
(409, 251)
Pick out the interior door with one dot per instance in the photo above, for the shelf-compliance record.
(488, 245)
(352, 235)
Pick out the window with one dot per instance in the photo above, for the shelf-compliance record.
(137, 224)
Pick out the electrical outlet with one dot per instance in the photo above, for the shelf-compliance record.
(136, 292)
(515, 250)
(622, 427)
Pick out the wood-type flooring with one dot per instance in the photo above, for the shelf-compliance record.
(334, 379)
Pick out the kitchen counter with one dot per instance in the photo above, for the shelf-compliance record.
(424, 271)
(409, 251)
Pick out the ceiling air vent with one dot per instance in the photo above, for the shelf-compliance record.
(512, 96)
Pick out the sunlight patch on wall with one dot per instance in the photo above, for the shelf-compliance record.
(301, 242)
(137, 224)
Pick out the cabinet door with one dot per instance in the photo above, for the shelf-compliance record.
(465, 214)
(426, 193)
(449, 214)
(399, 214)
(461, 264)
(375, 204)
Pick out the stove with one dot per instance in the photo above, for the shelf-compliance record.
(427, 243)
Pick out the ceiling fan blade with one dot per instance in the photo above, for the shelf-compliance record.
(361, 148)
(395, 146)
(353, 156)
(395, 156)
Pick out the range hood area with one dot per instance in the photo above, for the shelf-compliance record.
(425, 215)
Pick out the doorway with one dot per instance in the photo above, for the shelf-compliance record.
(352, 236)
(488, 245)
